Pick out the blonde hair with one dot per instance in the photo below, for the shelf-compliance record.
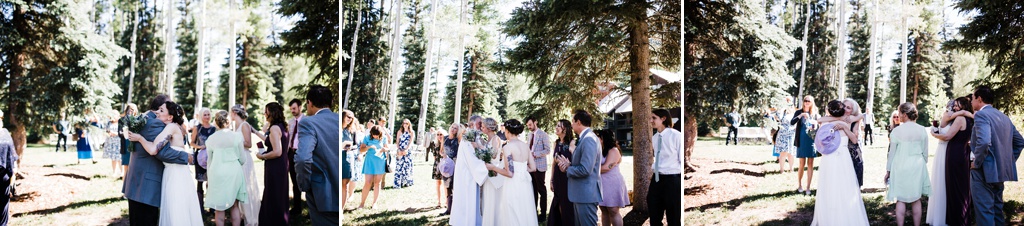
(221, 119)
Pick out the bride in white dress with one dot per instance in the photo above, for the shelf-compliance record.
(937, 200)
(838, 201)
(179, 204)
(492, 188)
(517, 193)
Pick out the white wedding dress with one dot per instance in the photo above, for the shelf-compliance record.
(491, 192)
(179, 204)
(838, 201)
(518, 205)
(937, 200)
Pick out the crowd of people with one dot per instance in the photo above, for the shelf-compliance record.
(978, 146)
(159, 179)
(582, 160)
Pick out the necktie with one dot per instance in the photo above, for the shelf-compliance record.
(657, 151)
(295, 137)
(532, 138)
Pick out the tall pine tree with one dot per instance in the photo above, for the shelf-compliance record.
(185, 79)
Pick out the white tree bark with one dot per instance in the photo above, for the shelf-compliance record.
(903, 56)
(425, 99)
(232, 56)
(462, 57)
(396, 49)
(200, 55)
(352, 58)
(803, 60)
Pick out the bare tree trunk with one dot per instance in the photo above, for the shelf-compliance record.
(640, 81)
(352, 58)
(424, 99)
(201, 56)
(232, 57)
(803, 60)
(396, 49)
(462, 58)
(869, 104)
(903, 63)
(131, 74)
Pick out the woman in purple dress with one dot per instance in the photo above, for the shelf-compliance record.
(613, 186)
(958, 165)
(274, 207)
(561, 210)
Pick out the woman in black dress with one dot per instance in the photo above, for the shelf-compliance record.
(561, 211)
(959, 210)
(274, 207)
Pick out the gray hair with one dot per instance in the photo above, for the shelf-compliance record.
(491, 124)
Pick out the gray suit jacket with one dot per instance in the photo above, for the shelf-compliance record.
(996, 145)
(316, 160)
(145, 171)
(585, 171)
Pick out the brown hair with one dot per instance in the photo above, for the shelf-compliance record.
(221, 119)
(909, 109)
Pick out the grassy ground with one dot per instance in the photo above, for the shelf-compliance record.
(742, 185)
(57, 191)
(417, 205)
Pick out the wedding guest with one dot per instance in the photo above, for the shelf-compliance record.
(784, 137)
(295, 108)
(403, 172)
(112, 147)
(318, 149)
(584, 171)
(130, 110)
(348, 159)
(373, 165)
(389, 158)
(562, 213)
(906, 170)
(451, 149)
(200, 134)
(540, 147)
(435, 150)
(995, 146)
(274, 208)
(8, 171)
(251, 208)
(804, 119)
(227, 181)
(359, 133)
(613, 185)
(957, 207)
(663, 194)
(84, 148)
(63, 129)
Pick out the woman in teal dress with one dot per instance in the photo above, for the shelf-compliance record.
(805, 119)
(224, 171)
(907, 171)
(373, 164)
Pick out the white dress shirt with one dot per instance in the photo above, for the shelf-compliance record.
(666, 147)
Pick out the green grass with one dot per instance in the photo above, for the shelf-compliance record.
(57, 191)
(774, 201)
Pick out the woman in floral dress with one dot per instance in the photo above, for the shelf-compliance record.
(403, 174)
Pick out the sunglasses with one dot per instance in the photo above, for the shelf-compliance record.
(807, 101)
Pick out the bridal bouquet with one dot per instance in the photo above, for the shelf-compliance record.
(133, 124)
(483, 151)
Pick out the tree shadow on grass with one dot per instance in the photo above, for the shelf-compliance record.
(70, 175)
(23, 197)
(696, 190)
(748, 163)
(388, 218)
(732, 204)
(71, 206)
(739, 171)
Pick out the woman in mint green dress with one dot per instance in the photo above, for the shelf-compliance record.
(907, 174)
(224, 171)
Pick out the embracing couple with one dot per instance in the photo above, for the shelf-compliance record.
(159, 185)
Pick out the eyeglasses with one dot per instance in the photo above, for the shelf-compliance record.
(807, 101)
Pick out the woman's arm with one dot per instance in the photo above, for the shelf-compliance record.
(259, 134)
(845, 128)
(502, 171)
(828, 119)
(962, 113)
(612, 159)
(151, 148)
(796, 117)
(275, 142)
(957, 125)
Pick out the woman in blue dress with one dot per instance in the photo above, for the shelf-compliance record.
(403, 174)
(805, 119)
(373, 164)
(84, 149)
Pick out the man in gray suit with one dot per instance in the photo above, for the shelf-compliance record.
(995, 146)
(584, 171)
(145, 174)
(316, 159)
